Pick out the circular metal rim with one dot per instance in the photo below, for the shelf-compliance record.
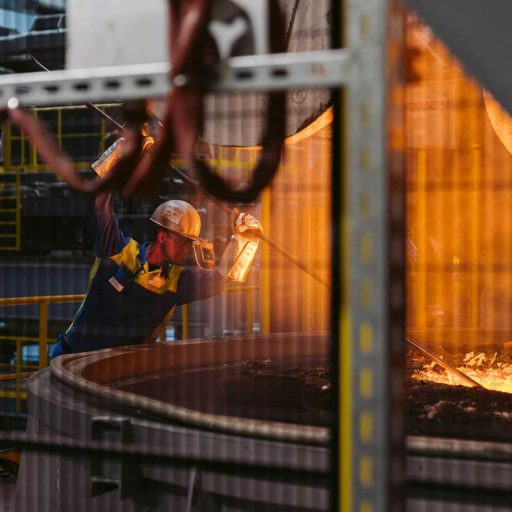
(69, 369)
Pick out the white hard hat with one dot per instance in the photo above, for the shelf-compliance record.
(178, 216)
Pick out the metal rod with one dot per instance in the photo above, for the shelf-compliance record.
(290, 24)
(18, 374)
(92, 106)
(444, 364)
(292, 259)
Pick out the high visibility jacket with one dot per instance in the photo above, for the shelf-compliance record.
(127, 299)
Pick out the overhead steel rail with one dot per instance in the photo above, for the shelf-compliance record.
(326, 68)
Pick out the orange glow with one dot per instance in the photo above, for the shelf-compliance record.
(459, 205)
(486, 369)
(295, 212)
(323, 121)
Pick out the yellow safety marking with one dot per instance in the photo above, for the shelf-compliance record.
(128, 256)
(366, 427)
(13, 394)
(365, 116)
(345, 462)
(366, 249)
(366, 471)
(365, 26)
(365, 506)
(366, 338)
(366, 383)
(365, 158)
(366, 293)
(365, 205)
(345, 407)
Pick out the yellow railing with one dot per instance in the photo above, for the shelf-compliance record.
(42, 339)
(18, 374)
(42, 302)
(27, 159)
(10, 214)
(20, 157)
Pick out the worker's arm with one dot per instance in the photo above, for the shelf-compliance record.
(234, 264)
(109, 239)
(195, 284)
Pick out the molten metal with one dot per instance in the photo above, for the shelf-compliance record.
(484, 368)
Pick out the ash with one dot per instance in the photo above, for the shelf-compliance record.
(447, 410)
(300, 392)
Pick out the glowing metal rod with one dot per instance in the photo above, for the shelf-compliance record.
(445, 365)
(292, 259)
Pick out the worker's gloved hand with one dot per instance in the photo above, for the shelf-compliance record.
(241, 250)
(245, 225)
(104, 164)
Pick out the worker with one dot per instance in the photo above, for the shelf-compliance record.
(135, 287)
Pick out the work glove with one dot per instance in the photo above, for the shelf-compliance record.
(243, 245)
(104, 164)
(245, 225)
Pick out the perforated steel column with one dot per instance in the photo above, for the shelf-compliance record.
(371, 294)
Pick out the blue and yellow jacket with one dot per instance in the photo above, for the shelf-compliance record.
(126, 300)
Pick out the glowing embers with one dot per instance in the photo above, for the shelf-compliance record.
(491, 369)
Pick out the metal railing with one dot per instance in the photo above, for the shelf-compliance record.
(10, 213)
(21, 157)
(18, 371)
(19, 154)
